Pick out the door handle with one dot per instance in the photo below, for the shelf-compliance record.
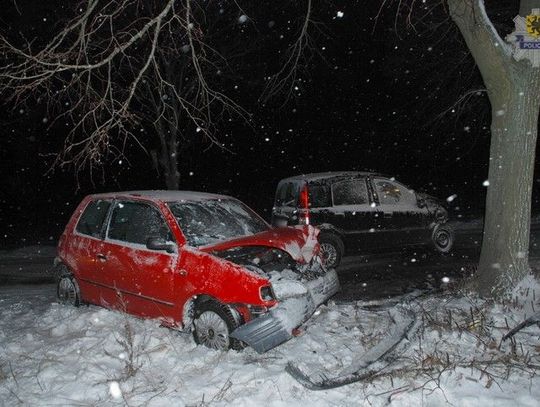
(388, 214)
(101, 257)
(182, 272)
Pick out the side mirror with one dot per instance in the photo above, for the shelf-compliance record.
(158, 243)
(421, 202)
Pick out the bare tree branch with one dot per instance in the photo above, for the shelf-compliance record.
(284, 80)
(94, 73)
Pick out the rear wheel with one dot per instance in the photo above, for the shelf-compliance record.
(67, 290)
(442, 238)
(213, 324)
(331, 250)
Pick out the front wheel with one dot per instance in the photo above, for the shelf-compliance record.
(442, 238)
(331, 250)
(213, 324)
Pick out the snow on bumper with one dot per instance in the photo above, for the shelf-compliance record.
(275, 327)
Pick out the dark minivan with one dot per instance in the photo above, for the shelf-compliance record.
(360, 212)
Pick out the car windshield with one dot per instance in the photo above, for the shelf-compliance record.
(206, 222)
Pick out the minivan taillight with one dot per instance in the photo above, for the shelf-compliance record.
(303, 203)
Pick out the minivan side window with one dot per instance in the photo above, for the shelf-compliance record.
(136, 222)
(350, 192)
(91, 221)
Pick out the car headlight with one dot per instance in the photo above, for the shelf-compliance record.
(267, 294)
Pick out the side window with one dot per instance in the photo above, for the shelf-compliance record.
(352, 192)
(91, 221)
(135, 222)
(392, 193)
(319, 196)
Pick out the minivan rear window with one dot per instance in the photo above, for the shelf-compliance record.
(286, 194)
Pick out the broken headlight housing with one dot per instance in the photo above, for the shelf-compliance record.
(267, 294)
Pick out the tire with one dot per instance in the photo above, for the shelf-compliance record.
(442, 238)
(67, 290)
(213, 324)
(331, 250)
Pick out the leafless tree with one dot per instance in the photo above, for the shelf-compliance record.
(513, 88)
(111, 60)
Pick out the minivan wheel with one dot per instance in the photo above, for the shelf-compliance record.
(213, 323)
(67, 290)
(442, 238)
(331, 250)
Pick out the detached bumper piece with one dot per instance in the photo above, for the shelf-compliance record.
(263, 333)
(270, 330)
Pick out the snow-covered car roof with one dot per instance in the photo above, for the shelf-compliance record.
(332, 174)
(164, 196)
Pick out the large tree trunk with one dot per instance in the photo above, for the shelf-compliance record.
(505, 244)
(514, 92)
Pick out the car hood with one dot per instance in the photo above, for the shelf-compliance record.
(300, 242)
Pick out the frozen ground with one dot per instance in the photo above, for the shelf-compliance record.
(57, 355)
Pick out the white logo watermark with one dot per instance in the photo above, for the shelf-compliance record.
(526, 38)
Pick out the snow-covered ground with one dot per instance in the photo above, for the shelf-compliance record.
(52, 354)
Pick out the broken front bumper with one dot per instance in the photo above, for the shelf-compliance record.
(275, 327)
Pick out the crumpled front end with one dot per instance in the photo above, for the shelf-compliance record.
(297, 301)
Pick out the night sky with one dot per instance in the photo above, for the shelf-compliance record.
(372, 96)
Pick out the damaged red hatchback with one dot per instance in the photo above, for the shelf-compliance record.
(195, 261)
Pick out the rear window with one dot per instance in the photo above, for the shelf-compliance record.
(91, 221)
(319, 196)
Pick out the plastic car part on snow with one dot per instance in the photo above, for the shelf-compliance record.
(263, 333)
(368, 365)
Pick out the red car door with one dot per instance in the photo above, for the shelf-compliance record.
(139, 280)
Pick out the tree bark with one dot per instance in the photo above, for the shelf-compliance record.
(169, 160)
(514, 92)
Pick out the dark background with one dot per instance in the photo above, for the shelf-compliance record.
(373, 96)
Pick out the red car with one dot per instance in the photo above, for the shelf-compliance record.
(195, 261)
